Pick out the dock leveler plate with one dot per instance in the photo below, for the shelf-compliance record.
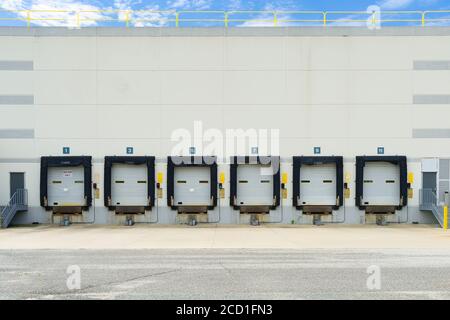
(65, 185)
(129, 183)
(255, 184)
(381, 183)
(318, 184)
(192, 184)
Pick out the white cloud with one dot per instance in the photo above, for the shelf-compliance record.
(266, 18)
(151, 17)
(126, 4)
(234, 4)
(178, 3)
(443, 22)
(394, 4)
(90, 15)
(147, 16)
(13, 5)
(347, 21)
(189, 4)
(260, 20)
(55, 12)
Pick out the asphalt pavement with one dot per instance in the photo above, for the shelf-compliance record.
(225, 274)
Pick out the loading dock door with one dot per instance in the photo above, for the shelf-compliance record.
(129, 185)
(318, 184)
(254, 185)
(192, 186)
(66, 186)
(381, 184)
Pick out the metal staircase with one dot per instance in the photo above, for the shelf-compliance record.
(429, 202)
(17, 203)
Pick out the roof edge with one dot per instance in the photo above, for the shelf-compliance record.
(226, 32)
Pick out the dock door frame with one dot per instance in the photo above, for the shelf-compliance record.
(191, 161)
(317, 160)
(241, 160)
(66, 161)
(131, 160)
(396, 160)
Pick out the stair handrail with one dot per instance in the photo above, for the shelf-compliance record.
(429, 201)
(18, 199)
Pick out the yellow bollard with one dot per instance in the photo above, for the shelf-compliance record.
(445, 226)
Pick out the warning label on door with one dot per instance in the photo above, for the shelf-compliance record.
(67, 173)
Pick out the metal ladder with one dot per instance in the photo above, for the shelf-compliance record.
(17, 203)
(429, 202)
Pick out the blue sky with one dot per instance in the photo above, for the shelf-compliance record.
(148, 19)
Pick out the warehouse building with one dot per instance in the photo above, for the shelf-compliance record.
(88, 115)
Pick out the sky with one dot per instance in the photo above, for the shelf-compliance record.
(11, 10)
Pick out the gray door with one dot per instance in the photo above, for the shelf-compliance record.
(381, 184)
(66, 186)
(16, 181)
(429, 181)
(129, 185)
(192, 186)
(254, 185)
(318, 184)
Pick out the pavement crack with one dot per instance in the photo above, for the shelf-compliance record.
(129, 279)
(112, 283)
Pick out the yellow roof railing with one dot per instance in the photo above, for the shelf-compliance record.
(185, 18)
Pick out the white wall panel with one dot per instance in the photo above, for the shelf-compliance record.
(57, 53)
(18, 148)
(430, 116)
(129, 87)
(379, 53)
(128, 53)
(181, 53)
(318, 54)
(17, 48)
(129, 122)
(65, 87)
(192, 87)
(141, 147)
(17, 117)
(431, 82)
(250, 53)
(380, 122)
(16, 82)
(254, 87)
(183, 117)
(65, 122)
(380, 87)
(428, 48)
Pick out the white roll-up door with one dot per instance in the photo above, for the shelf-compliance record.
(318, 184)
(254, 185)
(129, 185)
(65, 186)
(192, 186)
(381, 184)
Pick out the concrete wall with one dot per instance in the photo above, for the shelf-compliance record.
(99, 91)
